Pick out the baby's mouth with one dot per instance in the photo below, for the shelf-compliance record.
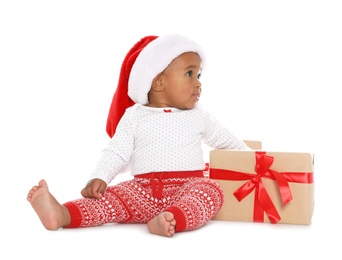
(196, 96)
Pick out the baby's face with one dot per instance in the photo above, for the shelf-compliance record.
(180, 80)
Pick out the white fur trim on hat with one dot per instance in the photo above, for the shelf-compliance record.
(153, 59)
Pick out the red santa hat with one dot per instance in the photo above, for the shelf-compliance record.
(148, 57)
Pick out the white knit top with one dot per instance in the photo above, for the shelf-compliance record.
(162, 139)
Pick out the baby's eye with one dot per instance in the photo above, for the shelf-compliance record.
(199, 76)
(189, 73)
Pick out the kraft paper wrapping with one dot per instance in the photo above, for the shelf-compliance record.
(298, 210)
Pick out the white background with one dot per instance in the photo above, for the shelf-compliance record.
(273, 74)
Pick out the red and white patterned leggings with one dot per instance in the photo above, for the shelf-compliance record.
(192, 198)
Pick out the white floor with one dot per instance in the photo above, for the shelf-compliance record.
(24, 235)
(273, 74)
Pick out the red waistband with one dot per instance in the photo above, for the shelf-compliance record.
(167, 175)
(157, 179)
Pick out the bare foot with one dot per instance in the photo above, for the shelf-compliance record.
(52, 214)
(164, 224)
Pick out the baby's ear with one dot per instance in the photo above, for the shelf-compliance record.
(157, 83)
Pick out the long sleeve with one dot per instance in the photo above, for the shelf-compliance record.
(218, 136)
(116, 156)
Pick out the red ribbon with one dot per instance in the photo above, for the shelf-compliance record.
(262, 201)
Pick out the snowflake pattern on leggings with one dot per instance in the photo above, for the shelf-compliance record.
(134, 201)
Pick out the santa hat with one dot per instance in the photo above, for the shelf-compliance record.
(148, 57)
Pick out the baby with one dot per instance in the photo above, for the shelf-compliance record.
(157, 128)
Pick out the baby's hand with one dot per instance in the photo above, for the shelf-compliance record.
(94, 189)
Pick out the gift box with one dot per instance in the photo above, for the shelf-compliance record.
(253, 144)
(260, 186)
